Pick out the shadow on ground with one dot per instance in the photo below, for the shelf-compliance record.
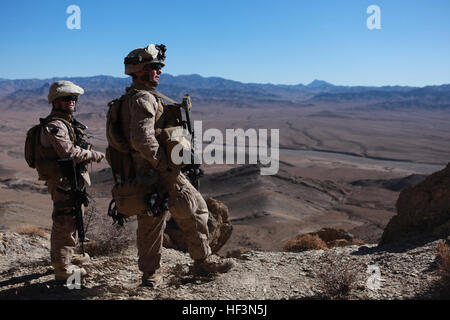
(47, 290)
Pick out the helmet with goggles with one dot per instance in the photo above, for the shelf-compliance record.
(138, 58)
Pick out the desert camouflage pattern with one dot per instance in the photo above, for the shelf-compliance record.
(63, 238)
(138, 116)
(219, 229)
(187, 206)
(55, 135)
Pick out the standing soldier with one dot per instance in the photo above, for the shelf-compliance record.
(61, 137)
(142, 117)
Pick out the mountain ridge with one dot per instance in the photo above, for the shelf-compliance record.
(31, 93)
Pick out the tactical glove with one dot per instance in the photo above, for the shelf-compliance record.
(97, 156)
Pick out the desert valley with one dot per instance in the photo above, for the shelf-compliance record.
(345, 152)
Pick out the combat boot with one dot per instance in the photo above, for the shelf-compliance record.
(80, 260)
(61, 275)
(151, 280)
(212, 265)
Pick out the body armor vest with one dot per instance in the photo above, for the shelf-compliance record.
(44, 158)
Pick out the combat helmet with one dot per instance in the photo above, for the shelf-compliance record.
(139, 57)
(63, 88)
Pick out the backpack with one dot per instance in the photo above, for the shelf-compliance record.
(32, 139)
(118, 151)
(37, 156)
(130, 197)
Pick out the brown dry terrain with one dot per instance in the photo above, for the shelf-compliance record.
(352, 186)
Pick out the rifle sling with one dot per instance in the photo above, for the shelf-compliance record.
(159, 94)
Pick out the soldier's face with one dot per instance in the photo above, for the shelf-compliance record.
(65, 104)
(153, 74)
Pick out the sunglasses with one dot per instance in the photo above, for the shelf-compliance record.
(69, 98)
(156, 66)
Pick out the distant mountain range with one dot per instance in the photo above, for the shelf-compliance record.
(29, 94)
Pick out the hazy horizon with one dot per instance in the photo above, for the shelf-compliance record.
(259, 83)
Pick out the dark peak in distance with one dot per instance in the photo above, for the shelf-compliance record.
(319, 84)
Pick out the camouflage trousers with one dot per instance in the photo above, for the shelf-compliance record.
(63, 238)
(190, 212)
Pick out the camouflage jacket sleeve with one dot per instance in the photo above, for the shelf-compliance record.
(58, 137)
(142, 128)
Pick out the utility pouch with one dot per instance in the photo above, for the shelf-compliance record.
(176, 140)
(131, 198)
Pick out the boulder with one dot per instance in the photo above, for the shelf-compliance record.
(322, 239)
(423, 211)
(336, 237)
(219, 228)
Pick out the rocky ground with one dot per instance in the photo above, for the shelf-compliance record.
(388, 272)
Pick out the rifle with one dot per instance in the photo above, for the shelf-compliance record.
(193, 170)
(78, 196)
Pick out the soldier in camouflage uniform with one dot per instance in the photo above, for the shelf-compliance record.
(142, 112)
(59, 140)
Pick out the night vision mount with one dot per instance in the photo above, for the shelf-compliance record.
(138, 59)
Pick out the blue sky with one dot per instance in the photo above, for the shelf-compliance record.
(262, 41)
